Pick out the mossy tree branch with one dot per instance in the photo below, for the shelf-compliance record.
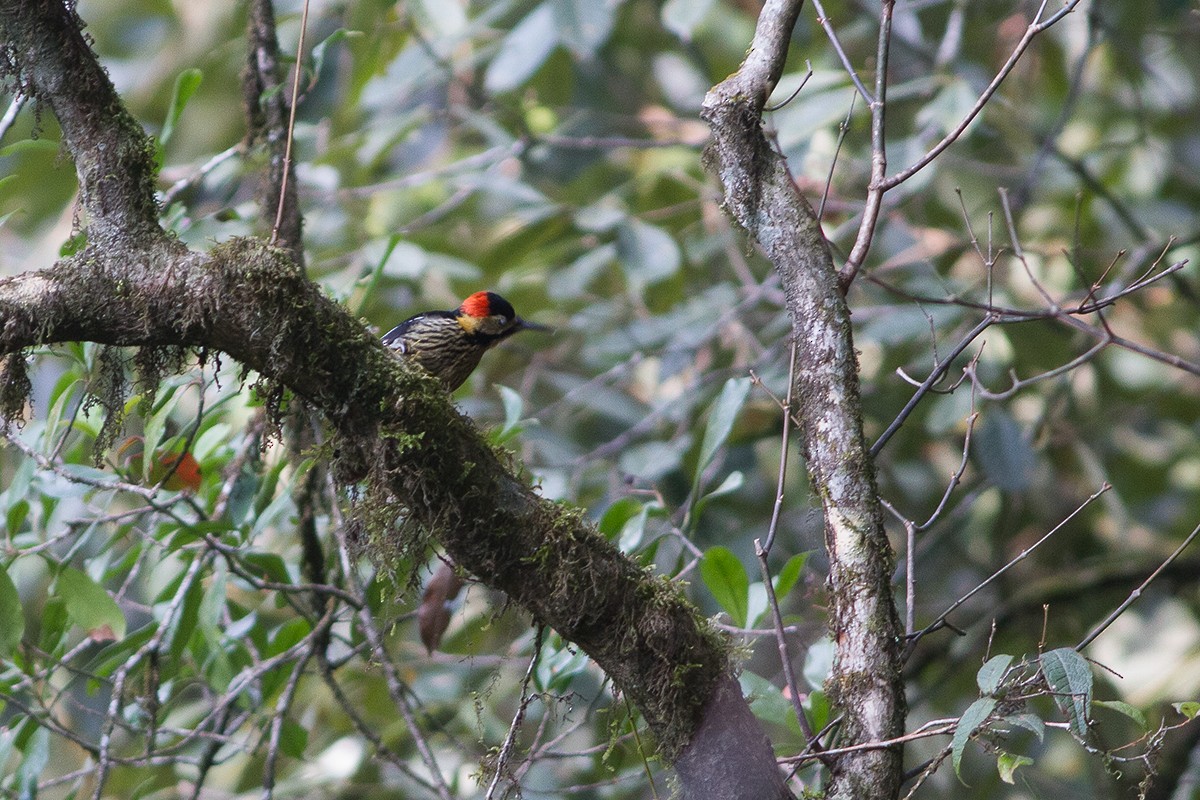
(134, 285)
(761, 195)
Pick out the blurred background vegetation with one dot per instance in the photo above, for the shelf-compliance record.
(551, 150)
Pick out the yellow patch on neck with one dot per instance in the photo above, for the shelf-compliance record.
(468, 323)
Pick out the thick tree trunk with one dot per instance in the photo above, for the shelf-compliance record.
(866, 682)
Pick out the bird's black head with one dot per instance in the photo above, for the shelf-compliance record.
(488, 314)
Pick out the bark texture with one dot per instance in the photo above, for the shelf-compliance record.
(134, 285)
(760, 194)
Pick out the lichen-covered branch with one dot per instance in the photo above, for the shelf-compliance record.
(760, 194)
(394, 427)
(43, 49)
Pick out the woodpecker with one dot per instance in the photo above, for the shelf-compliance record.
(449, 344)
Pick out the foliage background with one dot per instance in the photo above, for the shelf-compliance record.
(551, 151)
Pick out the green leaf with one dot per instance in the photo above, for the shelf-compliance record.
(523, 51)
(1007, 764)
(583, 25)
(818, 663)
(975, 715)
(186, 84)
(18, 512)
(53, 624)
(288, 635)
(558, 668)
(949, 107)
(616, 515)
(634, 529)
(682, 17)
(40, 145)
(652, 461)
(266, 566)
(733, 481)
(270, 514)
(112, 656)
(18, 485)
(1029, 722)
(767, 701)
(320, 49)
(1004, 452)
(12, 618)
(721, 417)
(60, 399)
(156, 426)
(726, 578)
(33, 763)
(1189, 708)
(648, 253)
(184, 622)
(73, 244)
(1122, 707)
(992, 673)
(572, 281)
(293, 739)
(1070, 678)
(790, 573)
(514, 407)
(89, 606)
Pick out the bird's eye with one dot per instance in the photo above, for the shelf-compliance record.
(503, 320)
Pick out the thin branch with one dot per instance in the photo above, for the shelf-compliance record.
(282, 706)
(1032, 31)
(291, 127)
(268, 117)
(940, 621)
(785, 438)
(1019, 384)
(937, 727)
(930, 382)
(877, 187)
(1136, 593)
(199, 174)
(823, 21)
(807, 74)
(522, 706)
(785, 659)
(843, 129)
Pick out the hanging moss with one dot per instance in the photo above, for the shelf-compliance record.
(109, 390)
(153, 364)
(14, 389)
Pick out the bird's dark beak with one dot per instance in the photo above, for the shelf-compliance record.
(526, 325)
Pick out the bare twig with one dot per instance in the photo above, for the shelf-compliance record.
(291, 127)
(1032, 31)
(1136, 593)
(823, 20)
(940, 621)
(934, 376)
(936, 727)
(785, 438)
(522, 706)
(876, 188)
(792, 96)
(843, 129)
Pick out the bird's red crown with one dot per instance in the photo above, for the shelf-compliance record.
(477, 305)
